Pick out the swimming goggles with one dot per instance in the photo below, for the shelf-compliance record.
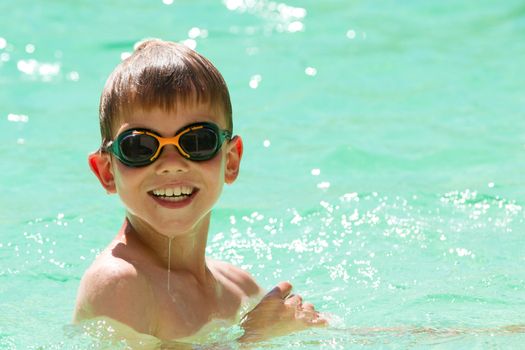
(141, 147)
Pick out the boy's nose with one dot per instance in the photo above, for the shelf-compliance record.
(171, 161)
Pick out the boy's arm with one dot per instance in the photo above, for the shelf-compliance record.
(116, 292)
(279, 313)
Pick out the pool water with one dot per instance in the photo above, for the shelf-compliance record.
(383, 172)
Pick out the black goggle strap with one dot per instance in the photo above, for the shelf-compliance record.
(226, 135)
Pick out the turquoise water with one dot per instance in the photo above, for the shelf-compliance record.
(383, 169)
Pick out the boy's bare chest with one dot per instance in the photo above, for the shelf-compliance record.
(183, 309)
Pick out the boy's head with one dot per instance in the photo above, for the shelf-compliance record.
(163, 75)
(165, 94)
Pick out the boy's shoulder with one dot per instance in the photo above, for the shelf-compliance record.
(236, 277)
(113, 287)
(111, 272)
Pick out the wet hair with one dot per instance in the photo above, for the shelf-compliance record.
(162, 74)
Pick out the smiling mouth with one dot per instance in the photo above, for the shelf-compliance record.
(174, 193)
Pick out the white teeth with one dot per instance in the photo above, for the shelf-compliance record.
(174, 198)
(176, 191)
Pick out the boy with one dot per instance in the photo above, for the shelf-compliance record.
(167, 149)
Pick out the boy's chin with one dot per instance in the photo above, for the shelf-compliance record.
(168, 221)
(167, 227)
(173, 229)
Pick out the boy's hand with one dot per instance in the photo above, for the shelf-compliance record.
(279, 313)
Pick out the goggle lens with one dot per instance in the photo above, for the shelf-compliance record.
(200, 144)
(137, 148)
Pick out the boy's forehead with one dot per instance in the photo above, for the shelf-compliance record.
(178, 115)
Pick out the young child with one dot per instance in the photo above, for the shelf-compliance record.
(167, 149)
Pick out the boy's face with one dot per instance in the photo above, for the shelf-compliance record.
(144, 190)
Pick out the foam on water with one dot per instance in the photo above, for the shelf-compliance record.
(354, 257)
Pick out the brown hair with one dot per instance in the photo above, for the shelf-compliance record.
(161, 74)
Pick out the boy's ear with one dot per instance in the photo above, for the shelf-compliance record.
(100, 165)
(233, 160)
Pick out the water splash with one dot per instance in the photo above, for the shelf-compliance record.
(39, 70)
(279, 16)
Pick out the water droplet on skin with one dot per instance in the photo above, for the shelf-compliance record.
(169, 264)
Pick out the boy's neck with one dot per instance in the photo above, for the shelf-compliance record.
(182, 253)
